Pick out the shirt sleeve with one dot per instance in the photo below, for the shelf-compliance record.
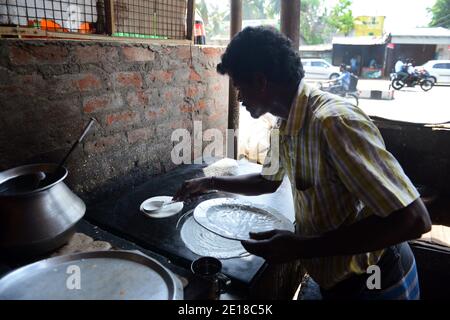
(365, 167)
(272, 168)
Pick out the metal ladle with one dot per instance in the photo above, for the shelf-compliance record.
(45, 179)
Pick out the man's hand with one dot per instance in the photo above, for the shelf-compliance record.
(192, 187)
(275, 246)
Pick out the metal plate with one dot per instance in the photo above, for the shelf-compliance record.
(103, 275)
(166, 211)
(203, 242)
(235, 218)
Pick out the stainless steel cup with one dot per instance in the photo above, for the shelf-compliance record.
(209, 268)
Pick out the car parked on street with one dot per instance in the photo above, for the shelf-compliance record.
(439, 70)
(319, 69)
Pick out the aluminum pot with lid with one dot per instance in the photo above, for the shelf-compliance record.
(36, 216)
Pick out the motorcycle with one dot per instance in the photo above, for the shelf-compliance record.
(351, 96)
(420, 77)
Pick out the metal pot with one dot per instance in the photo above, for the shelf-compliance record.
(34, 221)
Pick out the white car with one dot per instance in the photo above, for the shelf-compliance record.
(319, 69)
(439, 70)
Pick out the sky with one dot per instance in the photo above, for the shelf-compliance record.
(400, 14)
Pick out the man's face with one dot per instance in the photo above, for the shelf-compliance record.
(252, 98)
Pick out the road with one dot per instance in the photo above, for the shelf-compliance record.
(409, 104)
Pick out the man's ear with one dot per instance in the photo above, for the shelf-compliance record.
(260, 82)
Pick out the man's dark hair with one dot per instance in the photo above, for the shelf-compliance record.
(261, 49)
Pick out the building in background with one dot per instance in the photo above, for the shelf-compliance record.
(419, 44)
(369, 26)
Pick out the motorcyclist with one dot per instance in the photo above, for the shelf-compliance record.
(412, 73)
(342, 83)
(400, 70)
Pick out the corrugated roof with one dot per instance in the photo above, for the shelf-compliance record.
(316, 47)
(421, 32)
(359, 41)
(421, 36)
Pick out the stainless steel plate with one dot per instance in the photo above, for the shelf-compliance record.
(103, 275)
(203, 242)
(235, 218)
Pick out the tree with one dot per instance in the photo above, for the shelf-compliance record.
(316, 25)
(313, 22)
(253, 9)
(341, 17)
(441, 14)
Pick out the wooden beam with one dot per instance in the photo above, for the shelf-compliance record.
(32, 33)
(290, 20)
(190, 19)
(233, 103)
(110, 18)
(236, 17)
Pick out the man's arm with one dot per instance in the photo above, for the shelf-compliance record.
(370, 234)
(249, 185)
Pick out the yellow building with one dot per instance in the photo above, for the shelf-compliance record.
(369, 26)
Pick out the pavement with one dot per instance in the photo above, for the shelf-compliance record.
(408, 104)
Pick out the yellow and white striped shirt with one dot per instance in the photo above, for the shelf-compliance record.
(340, 172)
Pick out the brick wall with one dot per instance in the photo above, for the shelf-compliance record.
(138, 93)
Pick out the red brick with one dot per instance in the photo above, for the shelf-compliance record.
(94, 54)
(154, 114)
(21, 56)
(210, 73)
(88, 82)
(95, 104)
(212, 52)
(164, 76)
(168, 96)
(191, 91)
(47, 54)
(215, 117)
(184, 52)
(137, 98)
(185, 108)
(162, 111)
(194, 76)
(142, 134)
(217, 87)
(129, 79)
(13, 89)
(121, 118)
(151, 115)
(200, 105)
(102, 144)
(138, 54)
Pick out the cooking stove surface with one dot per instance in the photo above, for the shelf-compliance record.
(122, 217)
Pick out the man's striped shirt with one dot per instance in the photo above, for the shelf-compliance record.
(340, 172)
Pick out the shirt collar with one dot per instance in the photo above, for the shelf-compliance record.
(297, 114)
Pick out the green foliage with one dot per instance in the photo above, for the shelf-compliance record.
(341, 17)
(440, 14)
(316, 24)
(313, 26)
